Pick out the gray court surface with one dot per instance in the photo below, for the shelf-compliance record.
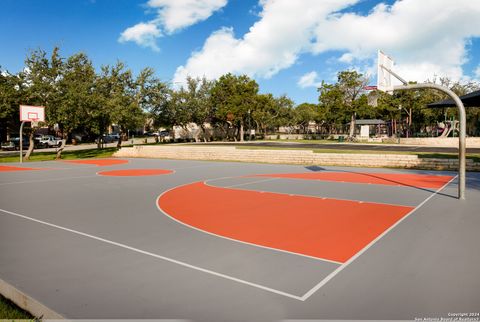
(96, 247)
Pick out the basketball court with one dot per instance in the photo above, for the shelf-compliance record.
(228, 241)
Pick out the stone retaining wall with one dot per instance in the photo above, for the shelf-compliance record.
(472, 142)
(291, 157)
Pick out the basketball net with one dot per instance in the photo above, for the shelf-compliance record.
(34, 123)
(372, 98)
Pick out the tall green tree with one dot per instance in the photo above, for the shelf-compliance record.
(10, 100)
(117, 94)
(330, 107)
(233, 97)
(346, 93)
(200, 103)
(39, 84)
(304, 113)
(265, 112)
(77, 101)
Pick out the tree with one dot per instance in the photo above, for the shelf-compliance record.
(265, 112)
(118, 95)
(345, 96)
(74, 106)
(351, 84)
(38, 83)
(330, 106)
(304, 113)
(233, 97)
(192, 104)
(200, 104)
(10, 100)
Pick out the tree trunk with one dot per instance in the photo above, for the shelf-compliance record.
(204, 130)
(31, 145)
(62, 147)
(119, 142)
(120, 135)
(99, 142)
(196, 134)
(241, 132)
(352, 125)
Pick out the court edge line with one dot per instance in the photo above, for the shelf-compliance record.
(153, 175)
(363, 250)
(307, 196)
(431, 189)
(247, 183)
(232, 239)
(171, 260)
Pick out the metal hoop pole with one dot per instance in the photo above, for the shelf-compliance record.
(21, 142)
(461, 138)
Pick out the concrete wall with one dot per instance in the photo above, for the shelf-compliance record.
(472, 142)
(291, 157)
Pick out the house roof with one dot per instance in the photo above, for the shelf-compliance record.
(470, 100)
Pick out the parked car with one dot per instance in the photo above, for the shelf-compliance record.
(164, 133)
(109, 138)
(14, 144)
(48, 141)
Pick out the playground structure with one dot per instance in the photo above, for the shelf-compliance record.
(449, 127)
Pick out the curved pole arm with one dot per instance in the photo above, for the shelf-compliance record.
(462, 136)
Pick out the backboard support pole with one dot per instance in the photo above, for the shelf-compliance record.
(461, 138)
(21, 142)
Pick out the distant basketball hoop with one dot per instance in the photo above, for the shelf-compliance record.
(32, 113)
(372, 96)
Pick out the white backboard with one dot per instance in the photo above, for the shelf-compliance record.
(384, 79)
(32, 113)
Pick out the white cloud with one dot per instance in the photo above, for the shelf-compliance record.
(144, 34)
(177, 14)
(272, 44)
(309, 80)
(172, 15)
(477, 72)
(426, 38)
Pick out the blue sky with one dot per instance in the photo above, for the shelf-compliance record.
(287, 46)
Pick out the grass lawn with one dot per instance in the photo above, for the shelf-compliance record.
(66, 155)
(8, 310)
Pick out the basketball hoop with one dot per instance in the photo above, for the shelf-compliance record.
(32, 113)
(372, 96)
(34, 122)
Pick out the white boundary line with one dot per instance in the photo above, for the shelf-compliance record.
(98, 173)
(171, 260)
(246, 183)
(265, 288)
(228, 238)
(292, 194)
(352, 259)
